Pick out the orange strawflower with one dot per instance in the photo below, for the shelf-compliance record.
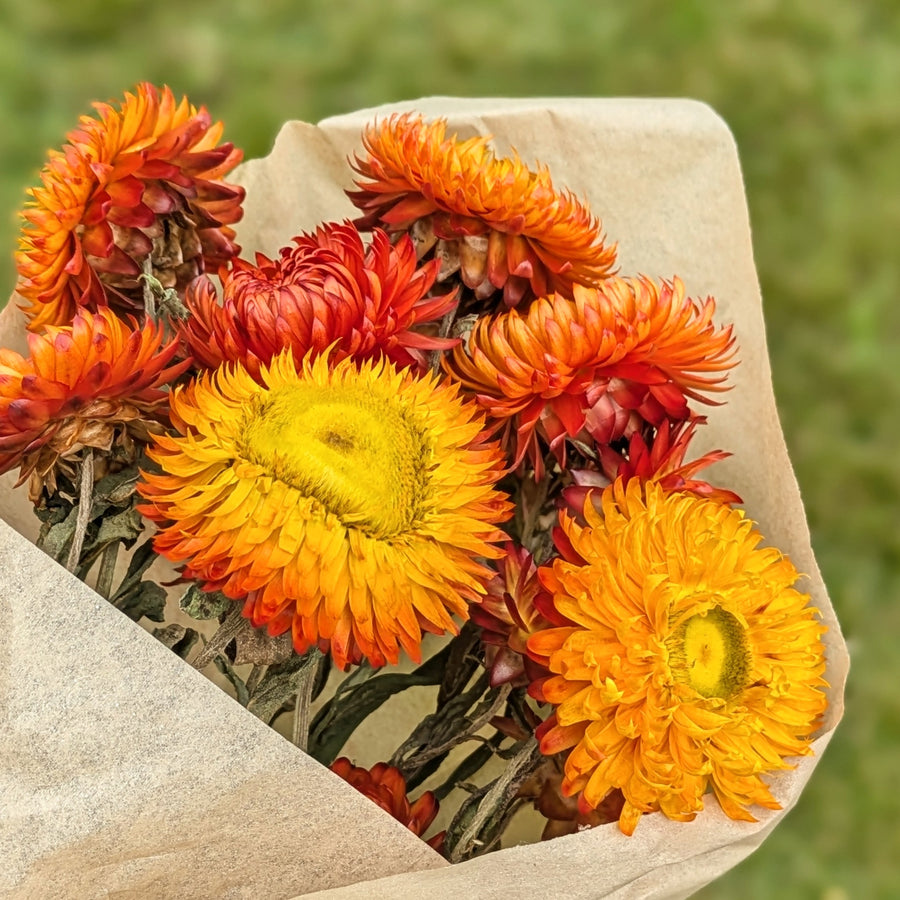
(595, 368)
(691, 661)
(352, 504)
(95, 383)
(658, 455)
(385, 786)
(140, 182)
(503, 226)
(327, 290)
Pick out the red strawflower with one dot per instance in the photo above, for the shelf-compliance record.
(95, 383)
(385, 786)
(327, 290)
(508, 615)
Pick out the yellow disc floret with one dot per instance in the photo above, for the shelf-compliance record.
(709, 652)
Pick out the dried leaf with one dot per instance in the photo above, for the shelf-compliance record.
(177, 638)
(202, 605)
(479, 824)
(340, 717)
(144, 599)
(240, 688)
(124, 527)
(140, 561)
(256, 646)
(116, 489)
(470, 766)
(55, 541)
(281, 682)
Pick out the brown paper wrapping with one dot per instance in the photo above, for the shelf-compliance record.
(123, 772)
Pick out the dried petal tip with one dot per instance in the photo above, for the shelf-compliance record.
(137, 188)
(652, 453)
(495, 222)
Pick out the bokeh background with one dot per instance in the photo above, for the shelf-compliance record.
(811, 90)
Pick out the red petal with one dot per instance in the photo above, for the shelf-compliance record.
(126, 192)
(98, 241)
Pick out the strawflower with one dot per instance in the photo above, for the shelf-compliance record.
(564, 815)
(504, 226)
(329, 289)
(692, 661)
(385, 786)
(658, 456)
(96, 383)
(508, 615)
(136, 188)
(350, 504)
(598, 367)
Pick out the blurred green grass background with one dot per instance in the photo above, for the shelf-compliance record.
(810, 89)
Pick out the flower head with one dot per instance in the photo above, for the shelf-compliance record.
(564, 814)
(508, 615)
(597, 367)
(508, 228)
(349, 504)
(327, 290)
(691, 660)
(95, 383)
(658, 455)
(386, 786)
(139, 184)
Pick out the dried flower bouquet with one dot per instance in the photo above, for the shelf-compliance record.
(451, 416)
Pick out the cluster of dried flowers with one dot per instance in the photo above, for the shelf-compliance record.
(451, 410)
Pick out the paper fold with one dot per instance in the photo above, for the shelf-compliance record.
(123, 770)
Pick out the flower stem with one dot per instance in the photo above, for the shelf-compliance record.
(107, 569)
(253, 679)
(307, 677)
(149, 296)
(85, 501)
(531, 502)
(226, 633)
(434, 357)
(490, 817)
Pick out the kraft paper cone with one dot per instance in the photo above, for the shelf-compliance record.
(125, 772)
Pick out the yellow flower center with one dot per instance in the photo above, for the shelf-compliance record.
(709, 652)
(359, 454)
